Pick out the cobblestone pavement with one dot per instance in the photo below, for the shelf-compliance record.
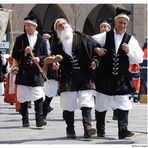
(12, 132)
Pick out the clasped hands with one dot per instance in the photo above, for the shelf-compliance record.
(103, 51)
(28, 50)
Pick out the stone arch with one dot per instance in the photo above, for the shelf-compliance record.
(45, 19)
(102, 14)
(42, 11)
(79, 16)
(101, 11)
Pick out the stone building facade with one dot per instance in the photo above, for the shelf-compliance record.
(83, 17)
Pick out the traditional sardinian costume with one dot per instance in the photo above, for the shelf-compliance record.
(76, 81)
(114, 82)
(51, 86)
(29, 79)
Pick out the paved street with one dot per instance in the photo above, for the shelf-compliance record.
(12, 132)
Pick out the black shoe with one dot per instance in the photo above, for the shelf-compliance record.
(49, 109)
(46, 111)
(70, 133)
(41, 122)
(87, 136)
(100, 134)
(125, 134)
(45, 117)
(25, 124)
(115, 114)
(135, 101)
(89, 132)
(114, 117)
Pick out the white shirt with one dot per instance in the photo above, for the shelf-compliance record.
(4, 61)
(32, 40)
(118, 39)
(135, 52)
(48, 47)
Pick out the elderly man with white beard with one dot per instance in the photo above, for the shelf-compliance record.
(76, 82)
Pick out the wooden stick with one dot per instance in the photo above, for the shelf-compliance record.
(40, 68)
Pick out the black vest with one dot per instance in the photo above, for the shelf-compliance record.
(113, 77)
(29, 74)
(75, 71)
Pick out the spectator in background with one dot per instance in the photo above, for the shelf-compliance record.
(51, 86)
(46, 37)
(143, 70)
(3, 65)
(105, 25)
(135, 72)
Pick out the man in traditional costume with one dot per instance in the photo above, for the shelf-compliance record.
(76, 82)
(29, 79)
(52, 85)
(114, 82)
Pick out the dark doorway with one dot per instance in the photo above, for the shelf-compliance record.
(46, 15)
(99, 12)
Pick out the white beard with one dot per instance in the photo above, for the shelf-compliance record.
(66, 38)
(66, 34)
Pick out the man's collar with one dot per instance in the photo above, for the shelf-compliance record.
(118, 34)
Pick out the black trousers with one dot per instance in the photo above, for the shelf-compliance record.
(38, 106)
(86, 117)
(100, 121)
(68, 116)
(24, 112)
(46, 105)
(122, 120)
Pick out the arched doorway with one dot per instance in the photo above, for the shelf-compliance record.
(99, 12)
(46, 15)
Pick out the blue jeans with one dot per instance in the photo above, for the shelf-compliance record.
(143, 82)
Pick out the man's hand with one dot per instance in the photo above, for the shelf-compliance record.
(100, 51)
(93, 65)
(1, 56)
(36, 60)
(27, 50)
(55, 66)
(125, 48)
